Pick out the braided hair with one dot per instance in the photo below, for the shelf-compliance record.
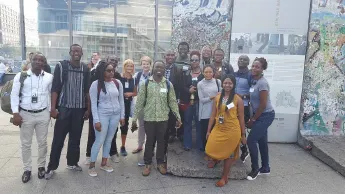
(263, 62)
(100, 70)
(232, 92)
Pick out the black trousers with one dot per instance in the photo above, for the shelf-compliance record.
(155, 131)
(172, 132)
(91, 139)
(71, 121)
(246, 119)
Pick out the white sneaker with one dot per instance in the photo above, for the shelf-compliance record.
(92, 172)
(115, 158)
(87, 161)
(107, 168)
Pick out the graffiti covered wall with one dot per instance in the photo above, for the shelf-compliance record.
(201, 22)
(323, 88)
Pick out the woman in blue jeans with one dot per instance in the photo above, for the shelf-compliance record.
(190, 100)
(107, 106)
(263, 116)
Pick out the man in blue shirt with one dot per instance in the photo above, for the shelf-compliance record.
(243, 82)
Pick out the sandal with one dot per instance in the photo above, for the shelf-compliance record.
(212, 163)
(137, 150)
(221, 183)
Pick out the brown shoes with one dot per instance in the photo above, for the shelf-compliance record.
(161, 168)
(147, 170)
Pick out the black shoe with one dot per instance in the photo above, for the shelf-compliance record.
(264, 171)
(26, 176)
(252, 175)
(123, 151)
(171, 139)
(244, 156)
(41, 172)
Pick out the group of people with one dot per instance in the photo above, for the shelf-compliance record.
(171, 94)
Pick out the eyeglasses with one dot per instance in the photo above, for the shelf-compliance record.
(194, 60)
(110, 70)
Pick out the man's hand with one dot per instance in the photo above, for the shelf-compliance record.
(17, 119)
(127, 94)
(98, 126)
(134, 126)
(86, 115)
(250, 123)
(178, 124)
(54, 113)
(122, 122)
(192, 89)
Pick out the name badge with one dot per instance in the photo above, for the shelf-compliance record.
(185, 68)
(231, 105)
(194, 79)
(163, 90)
(126, 85)
(251, 90)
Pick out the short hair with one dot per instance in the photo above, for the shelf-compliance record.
(127, 62)
(157, 61)
(262, 61)
(96, 53)
(39, 53)
(147, 59)
(195, 52)
(218, 49)
(70, 48)
(183, 43)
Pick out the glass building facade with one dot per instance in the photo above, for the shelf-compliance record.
(129, 29)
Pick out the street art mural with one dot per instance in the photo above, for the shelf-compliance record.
(201, 22)
(324, 79)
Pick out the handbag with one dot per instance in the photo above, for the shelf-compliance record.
(183, 106)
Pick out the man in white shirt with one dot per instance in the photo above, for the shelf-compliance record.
(31, 112)
(2, 69)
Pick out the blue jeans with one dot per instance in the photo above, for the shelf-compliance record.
(258, 134)
(191, 113)
(104, 137)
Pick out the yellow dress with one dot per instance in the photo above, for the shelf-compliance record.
(224, 140)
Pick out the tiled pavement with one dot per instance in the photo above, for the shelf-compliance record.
(293, 171)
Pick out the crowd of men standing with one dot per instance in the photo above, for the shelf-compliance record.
(170, 95)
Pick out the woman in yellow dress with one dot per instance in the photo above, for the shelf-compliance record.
(223, 140)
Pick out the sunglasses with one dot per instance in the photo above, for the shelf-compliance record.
(194, 60)
(110, 70)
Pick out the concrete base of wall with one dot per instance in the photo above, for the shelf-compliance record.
(328, 149)
(192, 164)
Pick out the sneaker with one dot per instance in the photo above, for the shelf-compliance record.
(49, 174)
(147, 170)
(115, 158)
(161, 168)
(107, 168)
(244, 156)
(75, 168)
(123, 151)
(41, 172)
(92, 172)
(252, 175)
(87, 161)
(141, 163)
(264, 171)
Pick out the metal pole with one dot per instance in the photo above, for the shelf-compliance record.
(115, 28)
(70, 23)
(231, 8)
(156, 30)
(22, 29)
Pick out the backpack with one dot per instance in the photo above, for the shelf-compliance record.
(6, 90)
(147, 83)
(99, 88)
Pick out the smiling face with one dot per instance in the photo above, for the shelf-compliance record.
(218, 56)
(146, 66)
(194, 61)
(208, 73)
(228, 85)
(158, 69)
(183, 50)
(109, 72)
(257, 69)
(129, 68)
(206, 52)
(169, 57)
(76, 53)
(243, 61)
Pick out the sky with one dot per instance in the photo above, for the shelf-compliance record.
(30, 7)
